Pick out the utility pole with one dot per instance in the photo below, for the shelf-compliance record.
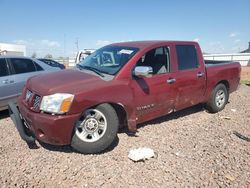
(64, 47)
(77, 43)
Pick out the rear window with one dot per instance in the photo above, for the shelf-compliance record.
(187, 57)
(38, 67)
(47, 62)
(21, 65)
(3, 68)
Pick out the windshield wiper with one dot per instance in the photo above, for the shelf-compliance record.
(79, 66)
(92, 69)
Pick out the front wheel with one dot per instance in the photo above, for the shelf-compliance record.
(95, 130)
(218, 99)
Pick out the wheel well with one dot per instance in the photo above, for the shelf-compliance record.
(121, 113)
(226, 83)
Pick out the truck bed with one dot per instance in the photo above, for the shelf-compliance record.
(216, 62)
(224, 70)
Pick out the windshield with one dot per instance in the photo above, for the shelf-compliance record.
(109, 59)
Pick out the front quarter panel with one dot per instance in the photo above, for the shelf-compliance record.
(113, 91)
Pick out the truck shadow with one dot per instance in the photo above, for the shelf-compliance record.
(168, 117)
(157, 121)
(4, 114)
(69, 149)
(64, 149)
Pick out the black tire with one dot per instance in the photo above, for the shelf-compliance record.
(212, 105)
(109, 136)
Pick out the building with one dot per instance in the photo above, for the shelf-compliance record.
(242, 57)
(247, 50)
(12, 49)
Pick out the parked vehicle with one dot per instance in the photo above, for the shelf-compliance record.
(82, 54)
(14, 72)
(121, 84)
(52, 63)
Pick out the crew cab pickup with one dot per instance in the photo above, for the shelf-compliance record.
(122, 84)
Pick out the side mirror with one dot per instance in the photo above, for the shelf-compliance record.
(143, 71)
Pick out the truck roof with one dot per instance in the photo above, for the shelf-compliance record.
(145, 44)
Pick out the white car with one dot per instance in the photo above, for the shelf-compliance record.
(82, 54)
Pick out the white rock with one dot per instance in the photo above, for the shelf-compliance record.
(225, 117)
(141, 154)
(177, 154)
(233, 110)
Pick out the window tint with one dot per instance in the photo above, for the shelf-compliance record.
(187, 57)
(21, 65)
(38, 67)
(3, 68)
(157, 58)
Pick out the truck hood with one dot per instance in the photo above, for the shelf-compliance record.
(65, 81)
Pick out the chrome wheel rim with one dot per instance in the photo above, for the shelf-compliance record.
(92, 126)
(220, 98)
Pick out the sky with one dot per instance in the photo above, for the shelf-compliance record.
(57, 26)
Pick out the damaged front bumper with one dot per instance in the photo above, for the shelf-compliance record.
(23, 131)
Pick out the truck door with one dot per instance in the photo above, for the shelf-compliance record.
(190, 76)
(153, 95)
(7, 87)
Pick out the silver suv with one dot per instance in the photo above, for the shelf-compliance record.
(14, 72)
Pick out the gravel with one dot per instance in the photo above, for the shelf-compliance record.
(194, 148)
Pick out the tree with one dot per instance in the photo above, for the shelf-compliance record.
(48, 56)
(34, 55)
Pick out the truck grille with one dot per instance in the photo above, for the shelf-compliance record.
(33, 100)
(28, 95)
(36, 102)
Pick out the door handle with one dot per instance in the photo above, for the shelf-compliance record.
(200, 74)
(171, 80)
(5, 81)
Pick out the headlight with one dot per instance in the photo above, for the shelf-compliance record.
(58, 103)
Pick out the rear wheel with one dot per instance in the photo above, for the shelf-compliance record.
(218, 99)
(96, 129)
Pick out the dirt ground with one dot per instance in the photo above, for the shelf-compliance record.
(245, 73)
(195, 149)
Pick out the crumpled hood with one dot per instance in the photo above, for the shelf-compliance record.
(65, 81)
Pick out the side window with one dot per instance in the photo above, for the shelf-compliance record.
(4, 71)
(50, 63)
(38, 67)
(158, 59)
(187, 57)
(21, 65)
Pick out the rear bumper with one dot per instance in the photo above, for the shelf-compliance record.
(56, 130)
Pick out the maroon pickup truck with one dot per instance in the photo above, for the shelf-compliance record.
(121, 84)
